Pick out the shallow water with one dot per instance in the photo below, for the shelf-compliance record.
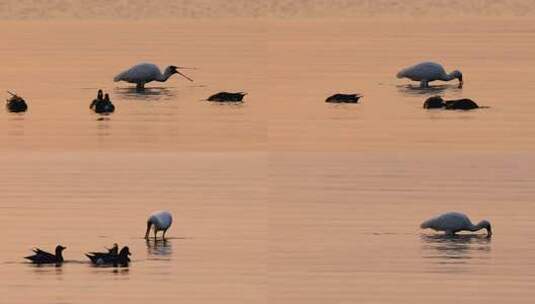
(281, 199)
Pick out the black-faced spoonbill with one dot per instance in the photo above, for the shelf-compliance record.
(453, 222)
(43, 257)
(426, 72)
(143, 73)
(159, 221)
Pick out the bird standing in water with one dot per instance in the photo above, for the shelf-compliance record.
(453, 222)
(144, 73)
(159, 221)
(426, 72)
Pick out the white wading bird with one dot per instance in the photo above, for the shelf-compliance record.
(161, 220)
(146, 72)
(453, 222)
(426, 72)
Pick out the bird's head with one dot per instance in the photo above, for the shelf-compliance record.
(125, 251)
(486, 225)
(99, 94)
(60, 248)
(457, 74)
(175, 70)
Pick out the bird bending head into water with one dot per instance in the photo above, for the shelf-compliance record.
(159, 221)
(426, 72)
(453, 222)
(146, 72)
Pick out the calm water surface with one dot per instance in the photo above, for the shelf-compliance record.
(282, 199)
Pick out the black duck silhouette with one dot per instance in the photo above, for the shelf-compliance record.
(437, 102)
(102, 105)
(344, 98)
(227, 97)
(460, 104)
(16, 104)
(43, 257)
(110, 258)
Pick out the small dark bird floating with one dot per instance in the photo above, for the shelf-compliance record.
(102, 104)
(461, 104)
(437, 102)
(43, 257)
(344, 98)
(227, 97)
(110, 258)
(16, 104)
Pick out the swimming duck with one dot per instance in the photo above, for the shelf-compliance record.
(437, 102)
(344, 98)
(43, 257)
(453, 222)
(16, 104)
(102, 104)
(161, 220)
(460, 104)
(102, 258)
(226, 96)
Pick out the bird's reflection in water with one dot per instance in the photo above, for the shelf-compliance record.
(121, 271)
(456, 249)
(416, 90)
(48, 269)
(159, 247)
(103, 126)
(147, 94)
(238, 104)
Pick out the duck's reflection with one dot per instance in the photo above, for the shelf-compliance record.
(147, 94)
(456, 249)
(416, 90)
(159, 247)
(103, 126)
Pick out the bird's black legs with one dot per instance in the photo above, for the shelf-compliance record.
(140, 87)
(163, 236)
(424, 84)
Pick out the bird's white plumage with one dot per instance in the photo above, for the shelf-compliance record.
(140, 73)
(428, 71)
(452, 222)
(161, 220)
(144, 73)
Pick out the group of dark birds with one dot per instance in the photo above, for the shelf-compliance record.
(113, 257)
(159, 220)
(103, 105)
(437, 102)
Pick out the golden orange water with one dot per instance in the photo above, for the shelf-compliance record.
(282, 199)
